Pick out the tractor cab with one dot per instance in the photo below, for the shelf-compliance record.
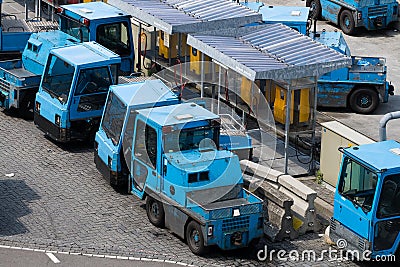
(367, 199)
(103, 23)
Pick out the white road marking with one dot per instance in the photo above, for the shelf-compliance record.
(52, 257)
(49, 253)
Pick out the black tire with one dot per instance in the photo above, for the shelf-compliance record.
(364, 100)
(26, 106)
(315, 9)
(155, 212)
(195, 239)
(346, 22)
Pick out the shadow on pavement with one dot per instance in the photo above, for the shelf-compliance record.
(14, 198)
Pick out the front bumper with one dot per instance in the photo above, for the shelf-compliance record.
(114, 178)
(228, 236)
(347, 240)
(50, 129)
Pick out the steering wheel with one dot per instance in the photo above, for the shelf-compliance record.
(89, 88)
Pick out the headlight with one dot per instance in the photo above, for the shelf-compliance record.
(210, 230)
(57, 120)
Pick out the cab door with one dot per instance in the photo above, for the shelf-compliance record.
(144, 163)
(386, 225)
(354, 197)
(90, 93)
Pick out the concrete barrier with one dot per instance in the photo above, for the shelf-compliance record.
(287, 199)
(305, 216)
(278, 219)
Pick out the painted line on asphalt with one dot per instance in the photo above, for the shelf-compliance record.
(50, 254)
(52, 257)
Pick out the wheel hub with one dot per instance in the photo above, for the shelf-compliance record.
(195, 238)
(154, 209)
(365, 101)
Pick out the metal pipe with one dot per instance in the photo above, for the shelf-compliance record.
(287, 124)
(139, 48)
(314, 121)
(26, 9)
(219, 87)
(384, 120)
(202, 76)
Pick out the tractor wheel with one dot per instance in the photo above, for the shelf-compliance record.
(364, 100)
(346, 22)
(315, 8)
(195, 239)
(155, 212)
(26, 106)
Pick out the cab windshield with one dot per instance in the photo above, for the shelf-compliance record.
(114, 118)
(358, 184)
(57, 78)
(193, 138)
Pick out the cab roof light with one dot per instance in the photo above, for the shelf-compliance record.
(59, 10)
(85, 21)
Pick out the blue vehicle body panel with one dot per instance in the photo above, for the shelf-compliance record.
(373, 14)
(23, 75)
(358, 226)
(13, 41)
(159, 118)
(201, 198)
(87, 55)
(99, 13)
(230, 142)
(377, 156)
(335, 87)
(93, 11)
(135, 96)
(294, 17)
(81, 57)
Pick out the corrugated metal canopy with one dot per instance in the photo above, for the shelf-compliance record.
(273, 51)
(188, 16)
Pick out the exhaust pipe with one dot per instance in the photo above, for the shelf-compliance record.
(382, 123)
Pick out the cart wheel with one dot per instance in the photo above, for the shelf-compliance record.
(155, 212)
(315, 8)
(26, 106)
(195, 239)
(346, 22)
(364, 100)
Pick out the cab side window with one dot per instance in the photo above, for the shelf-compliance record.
(146, 144)
(389, 202)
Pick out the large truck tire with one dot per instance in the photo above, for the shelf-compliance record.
(195, 239)
(364, 100)
(155, 212)
(346, 22)
(315, 9)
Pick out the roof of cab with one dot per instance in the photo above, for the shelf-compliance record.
(177, 114)
(380, 156)
(140, 93)
(94, 10)
(88, 54)
(279, 13)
